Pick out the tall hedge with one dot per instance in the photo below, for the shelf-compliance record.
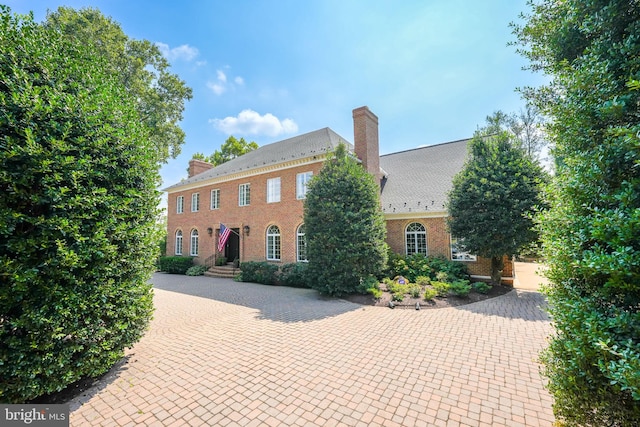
(591, 234)
(78, 203)
(344, 226)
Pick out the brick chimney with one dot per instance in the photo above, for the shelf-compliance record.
(198, 166)
(365, 137)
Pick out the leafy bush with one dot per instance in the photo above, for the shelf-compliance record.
(294, 275)
(376, 292)
(481, 287)
(460, 288)
(416, 265)
(442, 276)
(258, 272)
(398, 288)
(423, 280)
(415, 290)
(590, 233)
(441, 288)
(345, 227)
(175, 264)
(220, 261)
(410, 266)
(397, 296)
(367, 284)
(387, 281)
(196, 270)
(430, 294)
(78, 204)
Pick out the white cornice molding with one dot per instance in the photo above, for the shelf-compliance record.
(248, 173)
(414, 215)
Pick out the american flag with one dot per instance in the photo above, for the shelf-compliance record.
(224, 236)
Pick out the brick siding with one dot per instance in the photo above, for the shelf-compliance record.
(287, 214)
(439, 244)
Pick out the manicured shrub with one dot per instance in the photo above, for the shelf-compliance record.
(481, 287)
(416, 265)
(78, 208)
(258, 272)
(442, 276)
(441, 288)
(294, 275)
(196, 270)
(430, 294)
(398, 288)
(376, 292)
(460, 288)
(345, 228)
(397, 296)
(175, 264)
(220, 261)
(423, 280)
(415, 290)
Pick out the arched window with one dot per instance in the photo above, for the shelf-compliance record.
(179, 242)
(273, 243)
(416, 239)
(194, 242)
(301, 244)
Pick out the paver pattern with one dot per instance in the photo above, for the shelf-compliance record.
(238, 354)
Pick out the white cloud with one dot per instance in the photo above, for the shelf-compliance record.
(217, 88)
(249, 122)
(183, 52)
(220, 85)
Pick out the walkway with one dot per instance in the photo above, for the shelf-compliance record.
(236, 354)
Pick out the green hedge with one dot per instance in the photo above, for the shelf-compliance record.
(294, 275)
(175, 264)
(78, 208)
(258, 272)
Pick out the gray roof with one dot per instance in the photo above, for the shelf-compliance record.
(419, 180)
(310, 144)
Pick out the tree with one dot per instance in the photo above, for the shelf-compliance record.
(526, 126)
(344, 226)
(231, 149)
(591, 232)
(144, 72)
(493, 198)
(78, 204)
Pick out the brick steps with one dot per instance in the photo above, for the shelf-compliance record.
(222, 271)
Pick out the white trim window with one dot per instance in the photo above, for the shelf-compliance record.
(195, 202)
(244, 194)
(194, 243)
(301, 244)
(215, 199)
(178, 242)
(273, 190)
(302, 181)
(416, 239)
(458, 252)
(273, 243)
(180, 204)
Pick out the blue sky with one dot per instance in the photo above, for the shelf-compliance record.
(268, 70)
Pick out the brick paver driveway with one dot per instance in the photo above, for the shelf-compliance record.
(225, 353)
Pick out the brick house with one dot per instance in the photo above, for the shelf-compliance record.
(260, 196)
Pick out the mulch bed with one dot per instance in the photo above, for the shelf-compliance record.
(437, 302)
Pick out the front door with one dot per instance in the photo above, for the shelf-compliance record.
(232, 248)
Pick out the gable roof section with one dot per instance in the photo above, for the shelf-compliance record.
(419, 180)
(308, 145)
